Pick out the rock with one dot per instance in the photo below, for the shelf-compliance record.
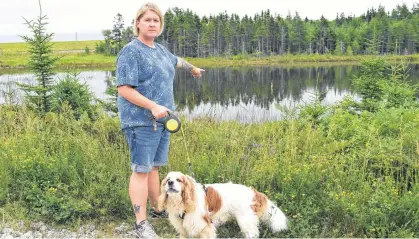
(38, 226)
(122, 229)
(37, 235)
(28, 234)
(42, 230)
(7, 231)
(92, 228)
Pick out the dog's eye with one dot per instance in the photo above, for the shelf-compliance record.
(178, 180)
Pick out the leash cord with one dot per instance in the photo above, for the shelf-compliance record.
(187, 153)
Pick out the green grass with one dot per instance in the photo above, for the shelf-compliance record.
(20, 48)
(73, 60)
(72, 54)
(14, 55)
(336, 171)
(346, 176)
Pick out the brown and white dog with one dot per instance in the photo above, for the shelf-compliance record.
(195, 210)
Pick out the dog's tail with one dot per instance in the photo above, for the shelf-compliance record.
(274, 218)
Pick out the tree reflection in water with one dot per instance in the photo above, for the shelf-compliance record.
(246, 94)
(250, 94)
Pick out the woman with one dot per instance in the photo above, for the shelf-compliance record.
(145, 71)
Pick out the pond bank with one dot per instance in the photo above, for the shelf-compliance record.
(81, 60)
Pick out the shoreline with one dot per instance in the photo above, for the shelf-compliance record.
(84, 61)
(81, 54)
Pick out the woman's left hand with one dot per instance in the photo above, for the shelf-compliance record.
(196, 72)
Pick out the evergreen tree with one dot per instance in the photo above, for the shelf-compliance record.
(117, 34)
(128, 34)
(356, 47)
(373, 43)
(339, 48)
(41, 62)
(349, 51)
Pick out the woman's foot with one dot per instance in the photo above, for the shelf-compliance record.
(155, 214)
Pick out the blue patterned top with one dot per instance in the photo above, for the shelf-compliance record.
(151, 72)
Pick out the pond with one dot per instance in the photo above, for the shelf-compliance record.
(245, 94)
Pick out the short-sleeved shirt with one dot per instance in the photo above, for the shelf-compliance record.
(151, 72)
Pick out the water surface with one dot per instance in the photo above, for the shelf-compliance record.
(246, 94)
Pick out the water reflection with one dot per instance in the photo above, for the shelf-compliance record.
(259, 86)
(249, 94)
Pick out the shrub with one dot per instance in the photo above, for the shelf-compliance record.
(87, 50)
(62, 169)
(101, 48)
(74, 93)
(383, 85)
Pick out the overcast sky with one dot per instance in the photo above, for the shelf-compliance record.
(89, 17)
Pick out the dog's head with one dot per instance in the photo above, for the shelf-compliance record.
(177, 188)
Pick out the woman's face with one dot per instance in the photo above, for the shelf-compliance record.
(149, 24)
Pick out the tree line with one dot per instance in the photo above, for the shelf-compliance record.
(186, 34)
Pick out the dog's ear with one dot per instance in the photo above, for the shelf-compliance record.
(188, 194)
(191, 178)
(163, 196)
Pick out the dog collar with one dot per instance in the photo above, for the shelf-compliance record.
(182, 216)
(205, 188)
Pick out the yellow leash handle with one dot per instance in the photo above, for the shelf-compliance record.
(171, 123)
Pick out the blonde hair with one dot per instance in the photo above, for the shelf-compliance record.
(143, 9)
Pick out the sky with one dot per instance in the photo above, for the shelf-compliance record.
(85, 19)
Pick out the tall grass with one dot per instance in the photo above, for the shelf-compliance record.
(336, 171)
(348, 175)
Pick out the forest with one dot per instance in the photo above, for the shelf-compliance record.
(377, 32)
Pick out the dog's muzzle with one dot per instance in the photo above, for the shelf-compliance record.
(170, 183)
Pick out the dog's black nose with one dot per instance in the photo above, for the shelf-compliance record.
(170, 182)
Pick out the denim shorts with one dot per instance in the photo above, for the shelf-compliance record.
(147, 147)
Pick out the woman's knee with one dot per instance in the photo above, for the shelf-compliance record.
(139, 176)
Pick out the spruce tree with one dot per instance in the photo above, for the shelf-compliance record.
(41, 63)
(117, 33)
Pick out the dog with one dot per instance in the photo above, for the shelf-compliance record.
(196, 210)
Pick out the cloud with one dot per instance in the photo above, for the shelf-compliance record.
(70, 16)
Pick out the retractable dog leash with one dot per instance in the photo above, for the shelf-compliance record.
(172, 124)
(187, 155)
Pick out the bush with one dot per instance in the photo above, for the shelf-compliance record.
(101, 48)
(240, 57)
(86, 50)
(383, 85)
(63, 169)
(74, 93)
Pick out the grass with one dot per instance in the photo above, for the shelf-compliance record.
(72, 54)
(20, 48)
(71, 60)
(336, 171)
(14, 55)
(294, 60)
(347, 176)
